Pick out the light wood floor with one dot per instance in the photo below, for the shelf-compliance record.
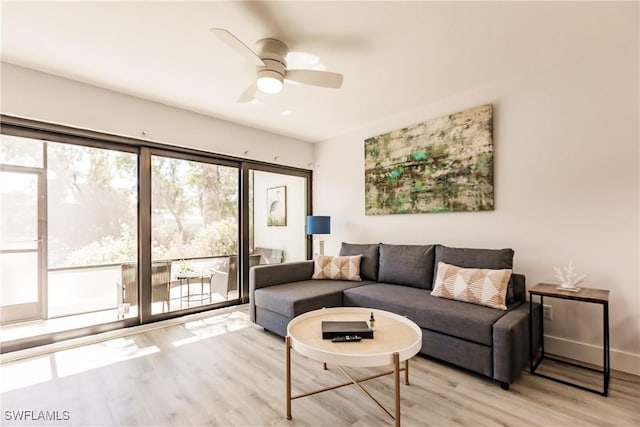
(224, 371)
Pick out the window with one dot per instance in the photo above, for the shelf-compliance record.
(98, 232)
(68, 221)
(92, 230)
(194, 232)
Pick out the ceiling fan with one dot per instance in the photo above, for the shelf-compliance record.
(269, 59)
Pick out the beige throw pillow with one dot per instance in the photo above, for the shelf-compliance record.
(474, 285)
(337, 267)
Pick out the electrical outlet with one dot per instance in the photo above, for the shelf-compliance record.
(547, 312)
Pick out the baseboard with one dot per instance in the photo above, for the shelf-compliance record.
(588, 353)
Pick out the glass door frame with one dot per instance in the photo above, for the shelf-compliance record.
(145, 225)
(44, 131)
(37, 310)
(245, 228)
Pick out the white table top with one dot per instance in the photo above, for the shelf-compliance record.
(392, 333)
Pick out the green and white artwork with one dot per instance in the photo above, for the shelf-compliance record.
(441, 165)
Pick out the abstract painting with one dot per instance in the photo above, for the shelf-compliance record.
(277, 206)
(441, 165)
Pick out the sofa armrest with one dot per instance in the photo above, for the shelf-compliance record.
(519, 288)
(511, 342)
(262, 276)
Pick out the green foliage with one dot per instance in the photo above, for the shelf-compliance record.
(217, 238)
(107, 250)
(186, 267)
(90, 200)
(93, 201)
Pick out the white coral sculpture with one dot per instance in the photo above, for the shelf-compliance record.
(568, 277)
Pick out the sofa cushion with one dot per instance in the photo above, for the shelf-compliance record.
(475, 285)
(370, 258)
(459, 319)
(292, 299)
(410, 265)
(337, 267)
(494, 259)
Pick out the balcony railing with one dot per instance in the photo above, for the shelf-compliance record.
(91, 288)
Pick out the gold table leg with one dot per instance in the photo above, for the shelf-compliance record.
(288, 375)
(406, 372)
(396, 381)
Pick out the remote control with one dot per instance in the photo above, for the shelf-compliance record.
(347, 338)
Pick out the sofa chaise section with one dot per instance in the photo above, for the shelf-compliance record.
(280, 292)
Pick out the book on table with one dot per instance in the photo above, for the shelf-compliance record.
(331, 329)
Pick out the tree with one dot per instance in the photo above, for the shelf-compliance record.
(217, 189)
(217, 238)
(89, 196)
(169, 190)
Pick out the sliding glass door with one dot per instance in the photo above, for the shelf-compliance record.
(92, 200)
(194, 234)
(68, 223)
(99, 232)
(21, 290)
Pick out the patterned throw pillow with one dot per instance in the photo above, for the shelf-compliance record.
(474, 285)
(337, 267)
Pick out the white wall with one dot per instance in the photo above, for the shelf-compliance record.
(292, 237)
(566, 188)
(36, 95)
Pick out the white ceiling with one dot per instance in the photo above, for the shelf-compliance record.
(394, 55)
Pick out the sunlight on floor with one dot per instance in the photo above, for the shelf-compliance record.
(60, 364)
(26, 372)
(213, 326)
(94, 356)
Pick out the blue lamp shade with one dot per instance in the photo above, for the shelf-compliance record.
(318, 224)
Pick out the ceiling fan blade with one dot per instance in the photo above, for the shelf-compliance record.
(249, 94)
(237, 45)
(315, 78)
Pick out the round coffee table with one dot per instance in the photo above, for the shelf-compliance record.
(396, 339)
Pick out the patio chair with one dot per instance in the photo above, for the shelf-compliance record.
(160, 279)
(270, 256)
(222, 282)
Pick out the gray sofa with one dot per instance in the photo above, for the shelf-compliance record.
(399, 278)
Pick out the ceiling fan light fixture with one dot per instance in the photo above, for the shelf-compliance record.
(269, 56)
(269, 81)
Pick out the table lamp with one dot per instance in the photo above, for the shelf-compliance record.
(318, 225)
